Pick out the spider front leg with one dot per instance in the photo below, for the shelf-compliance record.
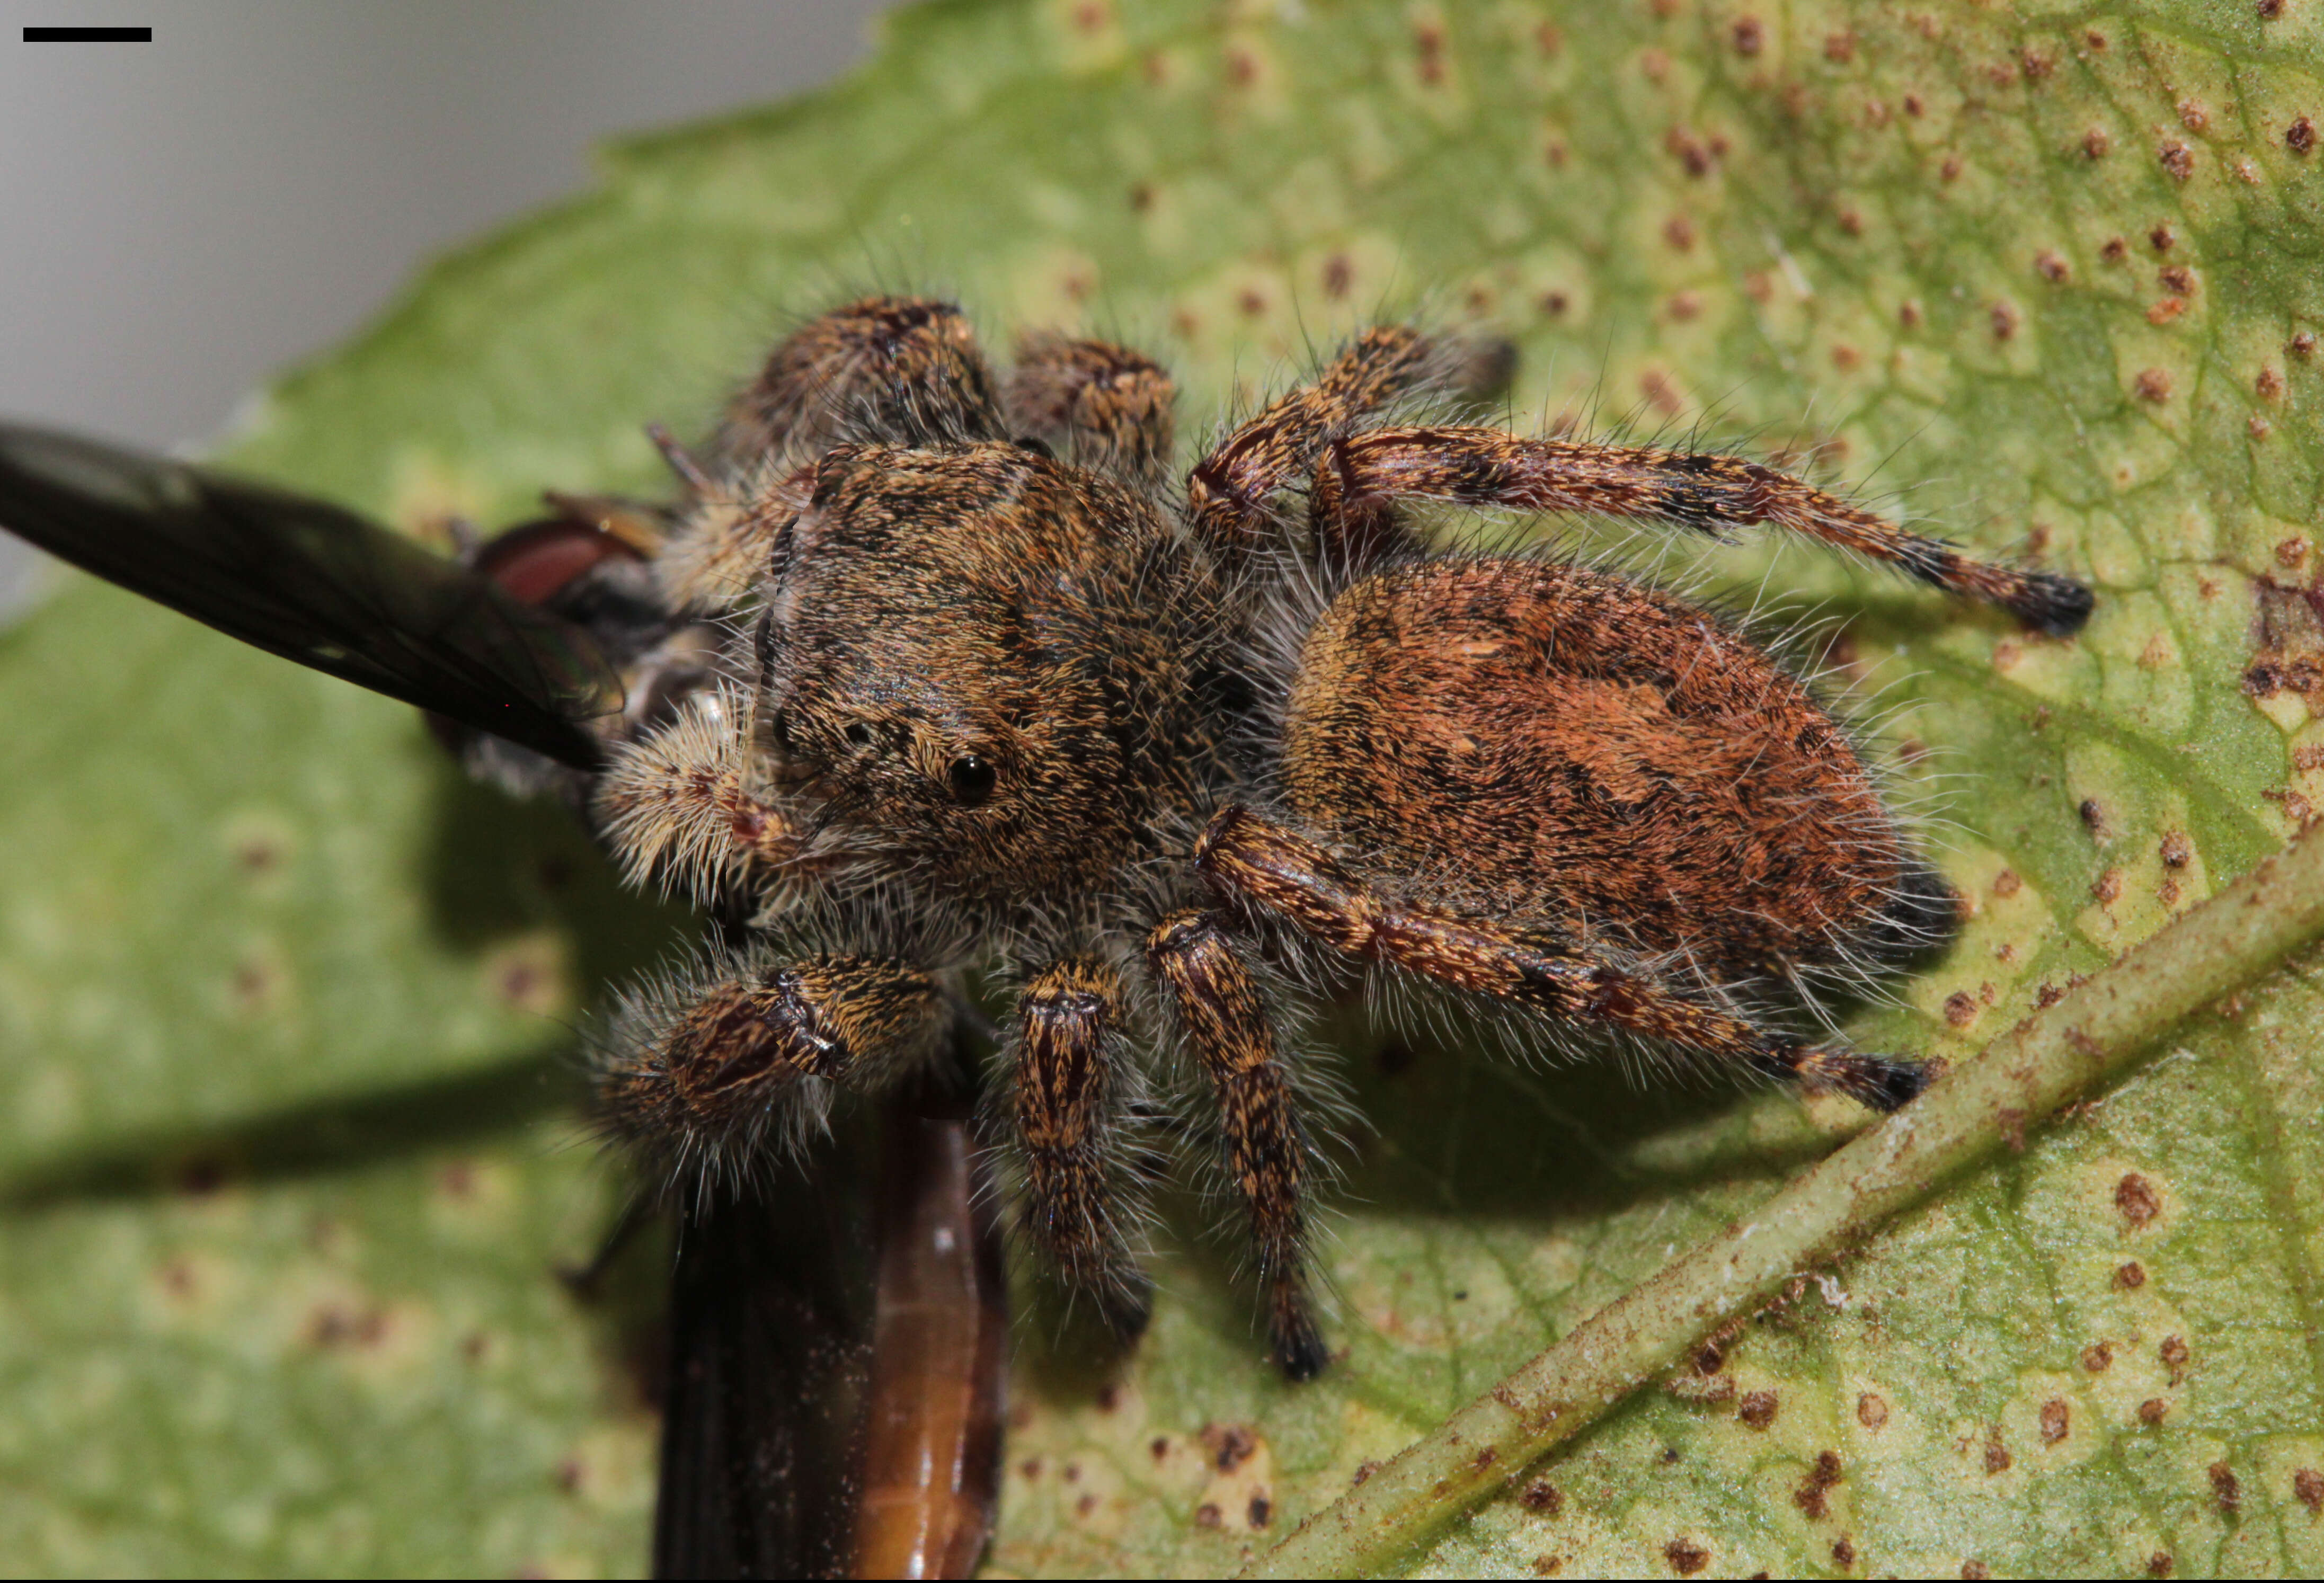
(1277, 870)
(1066, 1109)
(1360, 475)
(904, 369)
(705, 1071)
(1101, 406)
(1218, 1004)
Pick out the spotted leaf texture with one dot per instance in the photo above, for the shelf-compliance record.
(284, 1122)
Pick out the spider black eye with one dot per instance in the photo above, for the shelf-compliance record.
(972, 779)
(1033, 443)
(858, 734)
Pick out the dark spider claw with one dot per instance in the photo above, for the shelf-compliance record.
(2050, 605)
(1299, 1349)
(1127, 1307)
(1885, 1083)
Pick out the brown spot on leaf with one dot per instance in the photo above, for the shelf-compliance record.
(2174, 1354)
(2178, 160)
(2159, 1564)
(1678, 231)
(2129, 1276)
(2136, 1197)
(1843, 1552)
(1207, 1515)
(1364, 1470)
(2152, 1410)
(1976, 1570)
(1229, 1445)
(2193, 115)
(2056, 1417)
(1871, 1410)
(1997, 1455)
(1750, 35)
(2152, 384)
(2006, 883)
(2113, 249)
(1812, 1494)
(2108, 888)
(2162, 238)
(1756, 1409)
(2051, 265)
(2176, 279)
(2268, 384)
(2003, 315)
(1839, 48)
(2098, 1356)
(2307, 1489)
(1543, 1497)
(2301, 135)
(1261, 1511)
(2225, 1488)
(1685, 1556)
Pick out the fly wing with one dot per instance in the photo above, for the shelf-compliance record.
(769, 1325)
(306, 580)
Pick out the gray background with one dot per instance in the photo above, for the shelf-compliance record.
(179, 218)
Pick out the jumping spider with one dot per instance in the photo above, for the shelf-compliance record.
(930, 674)
(991, 691)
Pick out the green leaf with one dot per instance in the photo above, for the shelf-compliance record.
(282, 1002)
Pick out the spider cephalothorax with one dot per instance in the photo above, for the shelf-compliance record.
(991, 694)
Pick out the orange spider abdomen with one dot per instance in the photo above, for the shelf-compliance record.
(1567, 749)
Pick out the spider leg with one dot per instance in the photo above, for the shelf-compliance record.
(1281, 872)
(1219, 1006)
(1361, 474)
(1228, 491)
(698, 1073)
(901, 369)
(1103, 406)
(1066, 1109)
(905, 370)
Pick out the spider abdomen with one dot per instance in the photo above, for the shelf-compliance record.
(1568, 748)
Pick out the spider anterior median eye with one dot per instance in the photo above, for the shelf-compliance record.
(972, 779)
(859, 734)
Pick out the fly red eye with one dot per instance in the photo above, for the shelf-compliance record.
(972, 780)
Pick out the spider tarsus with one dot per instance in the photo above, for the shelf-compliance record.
(1885, 1083)
(1299, 1349)
(1126, 1304)
(2052, 605)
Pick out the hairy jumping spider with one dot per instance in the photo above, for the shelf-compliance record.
(986, 690)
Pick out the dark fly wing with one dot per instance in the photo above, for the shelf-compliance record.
(770, 1331)
(306, 580)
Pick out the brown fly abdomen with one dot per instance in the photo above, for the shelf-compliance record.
(932, 1420)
